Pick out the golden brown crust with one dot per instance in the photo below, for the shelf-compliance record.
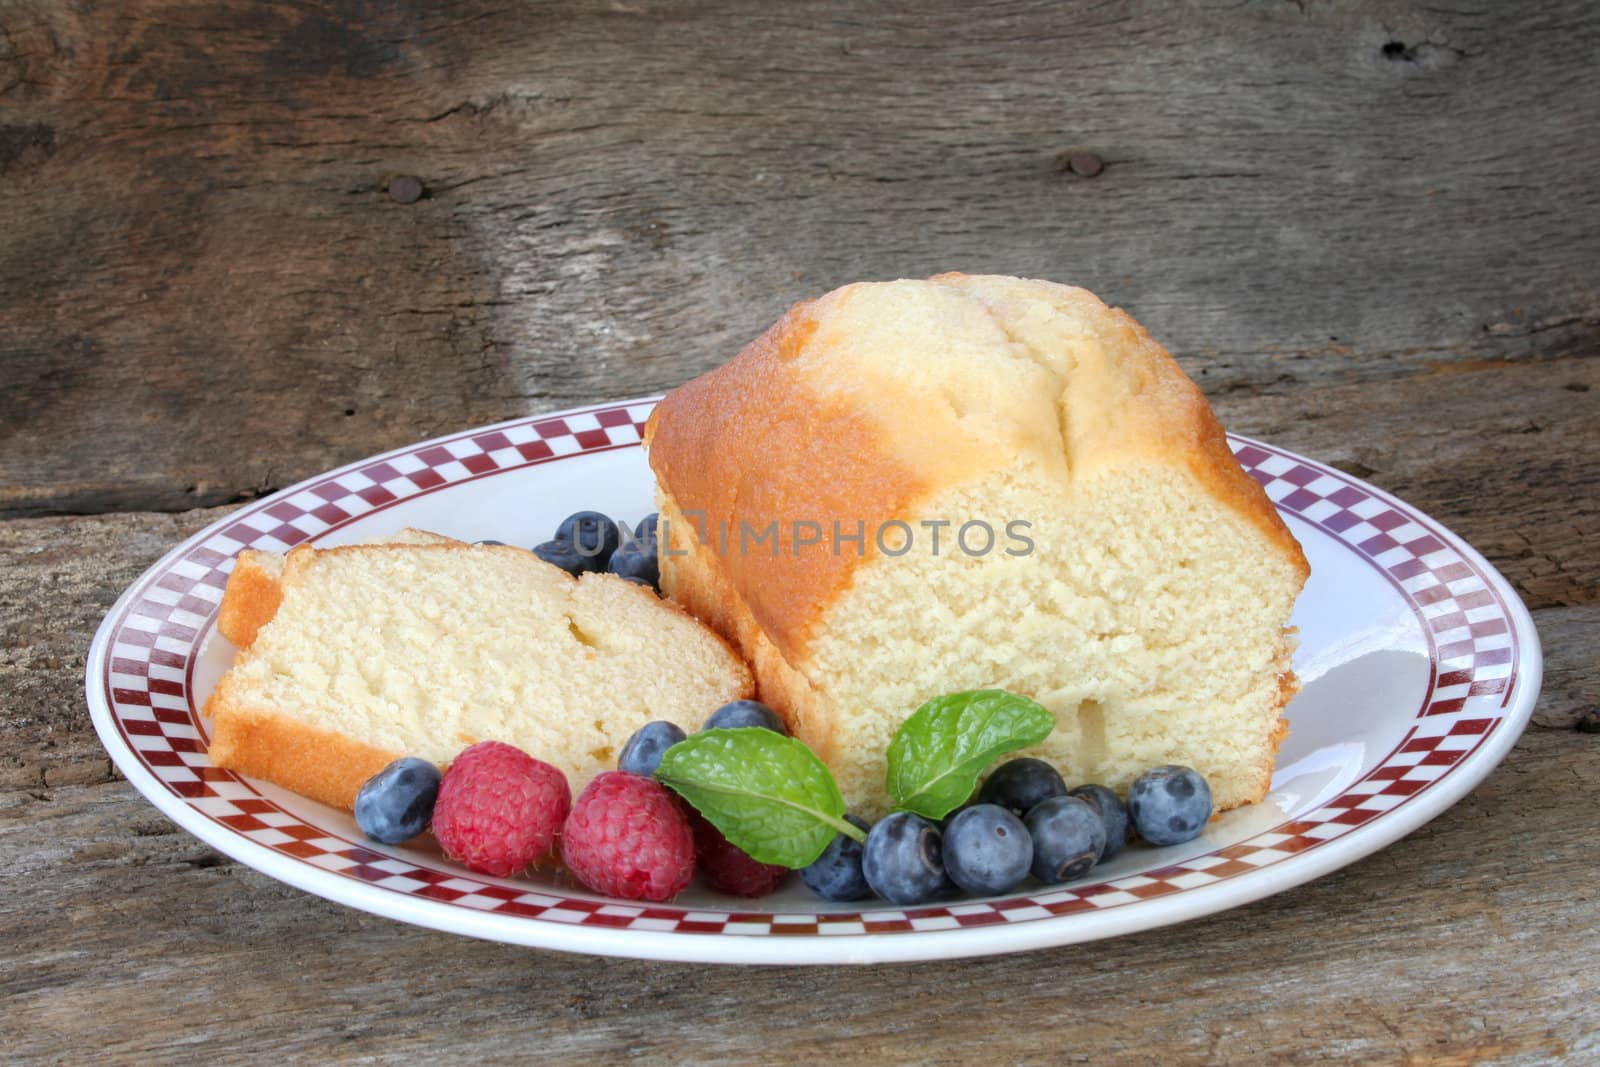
(251, 597)
(1154, 408)
(320, 764)
(696, 582)
(1288, 686)
(749, 444)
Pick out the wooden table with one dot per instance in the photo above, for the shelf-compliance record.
(241, 243)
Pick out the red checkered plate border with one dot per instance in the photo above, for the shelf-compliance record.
(1451, 660)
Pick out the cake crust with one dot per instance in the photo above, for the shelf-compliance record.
(251, 597)
(705, 438)
(324, 765)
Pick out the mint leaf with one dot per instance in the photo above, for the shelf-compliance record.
(768, 794)
(937, 754)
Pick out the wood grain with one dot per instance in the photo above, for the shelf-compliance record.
(1365, 228)
(619, 196)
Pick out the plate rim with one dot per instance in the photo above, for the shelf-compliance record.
(867, 947)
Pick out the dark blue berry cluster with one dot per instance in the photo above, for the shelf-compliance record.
(1024, 820)
(588, 541)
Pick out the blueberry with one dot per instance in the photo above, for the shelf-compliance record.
(642, 754)
(745, 713)
(592, 535)
(1112, 812)
(646, 530)
(1169, 804)
(396, 804)
(565, 556)
(987, 850)
(1018, 785)
(1068, 838)
(904, 860)
(488, 542)
(636, 559)
(836, 874)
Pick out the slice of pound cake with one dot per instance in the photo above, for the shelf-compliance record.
(379, 651)
(915, 487)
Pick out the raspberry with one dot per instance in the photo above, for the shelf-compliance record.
(728, 867)
(499, 808)
(626, 838)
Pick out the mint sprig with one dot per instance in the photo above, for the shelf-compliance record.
(938, 753)
(772, 797)
(768, 794)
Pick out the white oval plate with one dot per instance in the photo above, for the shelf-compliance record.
(1419, 668)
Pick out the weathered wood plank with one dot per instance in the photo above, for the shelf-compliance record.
(1362, 228)
(208, 293)
(1504, 455)
(58, 578)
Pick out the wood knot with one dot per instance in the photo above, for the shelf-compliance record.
(1083, 163)
(406, 189)
(25, 144)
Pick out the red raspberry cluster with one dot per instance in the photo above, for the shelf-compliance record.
(500, 810)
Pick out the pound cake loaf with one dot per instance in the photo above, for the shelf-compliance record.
(909, 488)
(380, 651)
